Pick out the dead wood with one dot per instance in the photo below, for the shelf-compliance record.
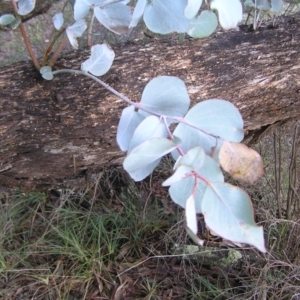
(54, 133)
(41, 7)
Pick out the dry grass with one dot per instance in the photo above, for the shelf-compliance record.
(116, 241)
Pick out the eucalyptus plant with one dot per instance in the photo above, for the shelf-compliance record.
(204, 140)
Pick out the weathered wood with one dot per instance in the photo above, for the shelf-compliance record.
(53, 132)
(41, 7)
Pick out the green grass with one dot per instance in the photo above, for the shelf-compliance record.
(115, 241)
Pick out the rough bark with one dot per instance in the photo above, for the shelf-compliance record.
(53, 132)
(41, 7)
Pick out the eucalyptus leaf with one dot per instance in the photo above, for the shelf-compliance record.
(181, 190)
(217, 117)
(129, 121)
(58, 20)
(166, 16)
(228, 212)
(138, 12)
(7, 19)
(276, 6)
(81, 9)
(149, 128)
(46, 73)
(203, 25)
(179, 174)
(192, 8)
(166, 95)
(190, 215)
(75, 31)
(146, 153)
(100, 60)
(263, 4)
(115, 17)
(193, 159)
(230, 12)
(193, 138)
(25, 7)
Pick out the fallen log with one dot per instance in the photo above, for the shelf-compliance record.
(53, 132)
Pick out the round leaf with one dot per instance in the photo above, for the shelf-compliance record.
(228, 212)
(7, 19)
(149, 128)
(193, 159)
(25, 7)
(129, 121)
(58, 20)
(230, 12)
(100, 61)
(46, 73)
(146, 153)
(166, 95)
(203, 25)
(138, 12)
(115, 17)
(192, 8)
(81, 9)
(191, 138)
(75, 31)
(217, 117)
(166, 16)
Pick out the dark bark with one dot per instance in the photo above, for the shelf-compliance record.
(52, 133)
(41, 7)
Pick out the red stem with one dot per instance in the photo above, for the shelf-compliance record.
(26, 40)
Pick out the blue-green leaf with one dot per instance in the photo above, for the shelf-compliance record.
(145, 154)
(228, 212)
(203, 25)
(166, 16)
(249, 3)
(190, 215)
(81, 9)
(75, 31)
(142, 173)
(25, 7)
(230, 12)
(217, 117)
(149, 128)
(115, 17)
(46, 73)
(58, 20)
(100, 61)
(193, 159)
(166, 95)
(129, 121)
(181, 190)
(179, 174)
(193, 138)
(276, 6)
(7, 19)
(263, 4)
(192, 8)
(138, 12)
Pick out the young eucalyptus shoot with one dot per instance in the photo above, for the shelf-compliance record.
(203, 140)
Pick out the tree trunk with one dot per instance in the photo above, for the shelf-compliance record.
(52, 132)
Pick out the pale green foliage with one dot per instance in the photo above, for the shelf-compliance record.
(262, 6)
(144, 130)
(25, 7)
(230, 12)
(100, 61)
